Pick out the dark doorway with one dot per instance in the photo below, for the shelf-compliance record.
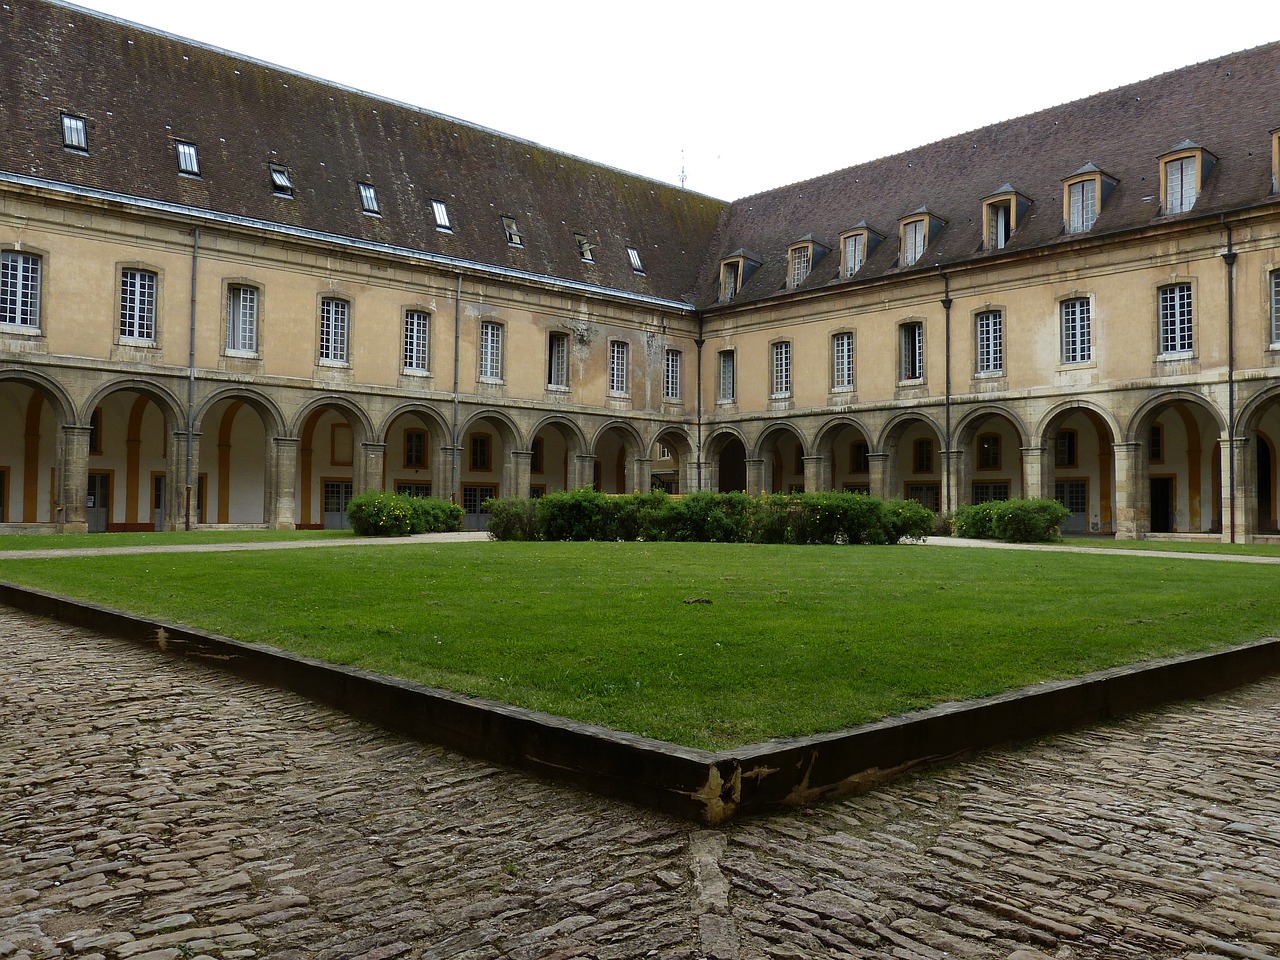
(1162, 504)
(733, 466)
(1266, 485)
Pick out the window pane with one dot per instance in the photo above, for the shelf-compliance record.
(782, 369)
(138, 305)
(416, 340)
(20, 289)
(671, 376)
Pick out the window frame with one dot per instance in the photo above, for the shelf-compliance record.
(1075, 330)
(512, 232)
(1080, 217)
(799, 264)
(440, 211)
(558, 360)
(914, 240)
(730, 279)
(490, 343)
(922, 455)
(281, 181)
(999, 216)
(850, 264)
(619, 374)
(415, 342)
(242, 323)
(138, 320)
(843, 361)
(1176, 320)
(672, 380)
(988, 452)
(1066, 451)
(911, 363)
(585, 247)
(726, 376)
(480, 452)
(75, 132)
(1274, 277)
(188, 155)
(988, 352)
(333, 345)
(637, 265)
(368, 198)
(21, 288)
(414, 455)
(780, 381)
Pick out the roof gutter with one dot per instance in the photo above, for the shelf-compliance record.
(451, 264)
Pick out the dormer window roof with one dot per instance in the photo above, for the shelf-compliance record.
(802, 257)
(856, 244)
(1001, 212)
(735, 270)
(188, 158)
(916, 231)
(1183, 171)
(1084, 194)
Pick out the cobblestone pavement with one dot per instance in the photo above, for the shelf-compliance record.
(153, 809)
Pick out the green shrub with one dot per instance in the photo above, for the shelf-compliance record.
(1013, 521)
(512, 518)
(975, 521)
(907, 520)
(577, 515)
(381, 513)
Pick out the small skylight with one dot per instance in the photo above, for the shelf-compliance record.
(74, 134)
(512, 231)
(281, 185)
(188, 158)
(636, 264)
(368, 198)
(442, 216)
(585, 247)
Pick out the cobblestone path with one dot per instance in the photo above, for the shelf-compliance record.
(154, 809)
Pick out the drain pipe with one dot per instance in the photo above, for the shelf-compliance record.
(946, 307)
(191, 374)
(457, 340)
(698, 453)
(1229, 258)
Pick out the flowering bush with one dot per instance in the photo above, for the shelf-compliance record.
(1013, 521)
(381, 513)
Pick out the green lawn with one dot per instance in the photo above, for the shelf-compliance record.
(79, 541)
(708, 645)
(1177, 546)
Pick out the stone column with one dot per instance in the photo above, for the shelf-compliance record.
(642, 470)
(282, 486)
(74, 464)
(1035, 482)
(1133, 496)
(372, 467)
(586, 471)
(755, 476)
(817, 473)
(451, 474)
(881, 474)
(961, 481)
(521, 473)
(1246, 490)
(175, 511)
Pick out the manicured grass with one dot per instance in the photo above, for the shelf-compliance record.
(708, 645)
(1178, 546)
(76, 541)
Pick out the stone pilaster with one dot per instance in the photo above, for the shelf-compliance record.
(1133, 497)
(372, 467)
(282, 492)
(74, 463)
(817, 473)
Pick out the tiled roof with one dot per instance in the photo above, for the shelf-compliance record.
(140, 91)
(1227, 106)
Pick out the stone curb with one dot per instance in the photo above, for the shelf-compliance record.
(711, 788)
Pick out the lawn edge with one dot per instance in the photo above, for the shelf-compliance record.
(709, 787)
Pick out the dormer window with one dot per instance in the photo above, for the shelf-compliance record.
(441, 213)
(636, 264)
(1000, 214)
(75, 135)
(735, 270)
(512, 232)
(855, 246)
(917, 232)
(281, 184)
(801, 259)
(1275, 160)
(1182, 175)
(188, 158)
(1083, 195)
(368, 199)
(585, 247)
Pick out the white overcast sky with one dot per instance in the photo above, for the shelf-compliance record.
(744, 96)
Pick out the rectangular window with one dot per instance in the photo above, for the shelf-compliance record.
(368, 198)
(911, 350)
(584, 248)
(20, 289)
(242, 319)
(801, 258)
(512, 232)
(537, 456)
(410, 489)
(475, 494)
(842, 361)
(74, 134)
(913, 242)
(1180, 185)
(990, 341)
(480, 455)
(415, 448)
(999, 223)
(334, 328)
(634, 256)
(618, 366)
(138, 305)
(987, 492)
(860, 458)
(441, 213)
(926, 494)
(922, 456)
(855, 253)
(1077, 333)
(725, 383)
(989, 451)
(1072, 494)
(1066, 448)
(1155, 443)
(188, 158)
(781, 369)
(558, 360)
(417, 341)
(490, 351)
(728, 281)
(1175, 319)
(281, 184)
(671, 376)
(1082, 205)
(1275, 308)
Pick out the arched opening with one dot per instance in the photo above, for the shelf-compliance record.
(29, 438)
(731, 465)
(1080, 468)
(782, 461)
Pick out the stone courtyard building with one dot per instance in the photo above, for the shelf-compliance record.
(235, 296)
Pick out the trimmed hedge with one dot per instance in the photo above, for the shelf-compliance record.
(710, 518)
(1013, 521)
(381, 513)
